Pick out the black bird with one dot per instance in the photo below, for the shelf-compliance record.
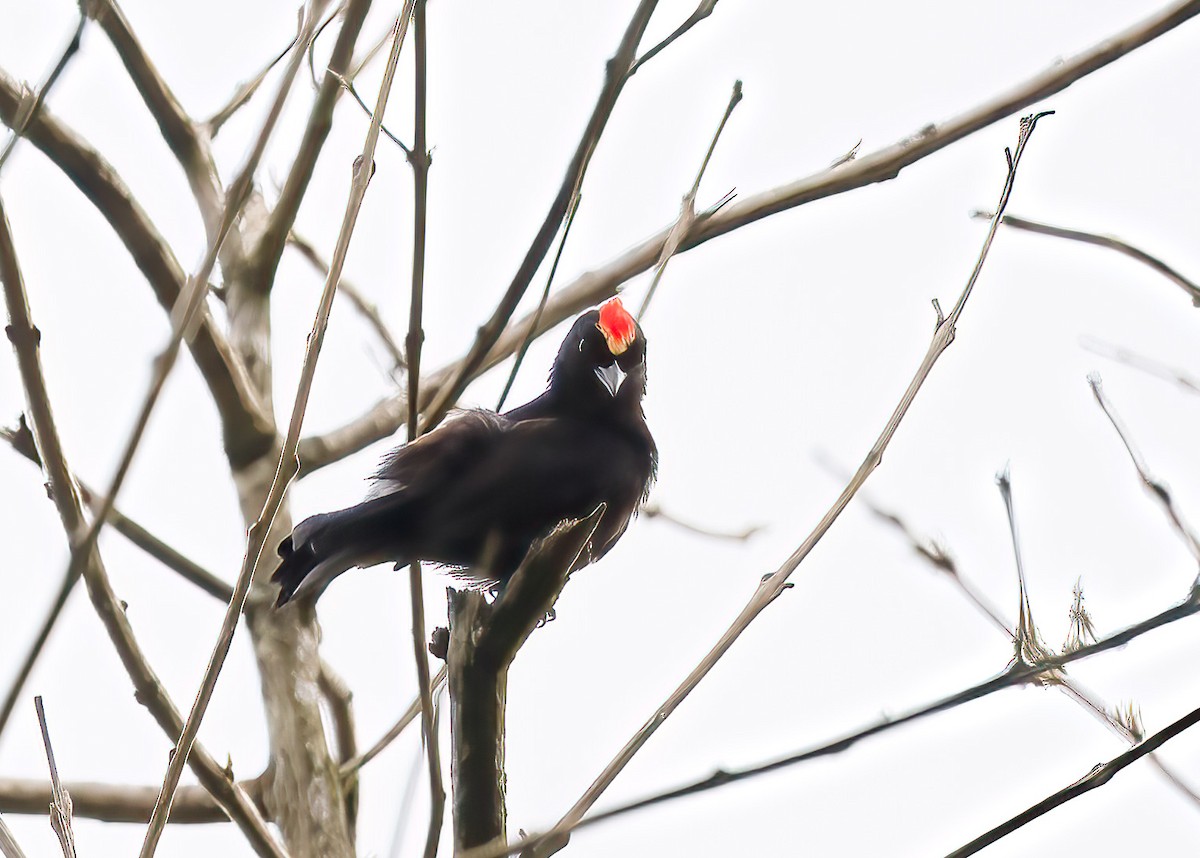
(475, 493)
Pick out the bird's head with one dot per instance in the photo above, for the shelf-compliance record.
(603, 346)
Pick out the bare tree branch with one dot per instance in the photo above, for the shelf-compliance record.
(149, 690)
(1157, 489)
(484, 640)
(1097, 777)
(1109, 241)
(34, 102)
(265, 257)
(687, 210)
(1184, 379)
(185, 140)
(654, 510)
(247, 429)
(118, 803)
(360, 302)
(350, 767)
(21, 440)
(247, 90)
(705, 9)
(1027, 644)
(594, 286)
(616, 75)
(348, 85)
(537, 314)
(35, 649)
(419, 160)
(60, 799)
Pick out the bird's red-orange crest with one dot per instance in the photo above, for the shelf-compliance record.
(618, 327)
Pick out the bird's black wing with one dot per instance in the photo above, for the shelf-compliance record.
(438, 457)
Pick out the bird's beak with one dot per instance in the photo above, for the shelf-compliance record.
(611, 377)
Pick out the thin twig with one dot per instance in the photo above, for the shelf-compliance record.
(349, 86)
(33, 104)
(407, 800)
(654, 510)
(616, 76)
(266, 255)
(1184, 379)
(537, 314)
(371, 53)
(17, 688)
(1157, 489)
(702, 11)
(21, 440)
(1109, 241)
(1097, 777)
(365, 308)
(1027, 647)
(246, 91)
(149, 690)
(312, 45)
(419, 160)
(773, 585)
(60, 806)
(351, 766)
(592, 287)
(119, 802)
(687, 210)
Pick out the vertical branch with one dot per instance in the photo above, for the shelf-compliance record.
(419, 158)
(364, 167)
(484, 640)
(60, 807)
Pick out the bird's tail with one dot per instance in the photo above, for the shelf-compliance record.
(321, 548)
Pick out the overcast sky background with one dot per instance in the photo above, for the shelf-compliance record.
(793, 335)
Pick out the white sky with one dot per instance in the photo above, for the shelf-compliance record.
(794, 335)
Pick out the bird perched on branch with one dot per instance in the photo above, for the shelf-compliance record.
(478, 491)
